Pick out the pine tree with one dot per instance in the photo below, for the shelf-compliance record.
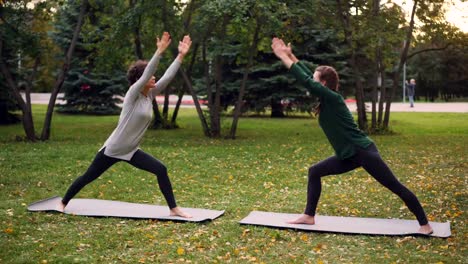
(87, 89)
(91, 93)
(6, 105)
(7, 102)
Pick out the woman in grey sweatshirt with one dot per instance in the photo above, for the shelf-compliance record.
(136, 115)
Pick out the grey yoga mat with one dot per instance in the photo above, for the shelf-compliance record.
(107, 208)
(350, 225)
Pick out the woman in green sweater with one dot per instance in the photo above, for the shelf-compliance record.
(353, 149)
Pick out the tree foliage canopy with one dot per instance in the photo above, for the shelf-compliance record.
(231, 63)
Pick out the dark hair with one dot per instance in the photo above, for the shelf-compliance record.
(135, 71)
(330, 76)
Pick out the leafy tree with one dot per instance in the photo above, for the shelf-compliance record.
(88, 89)
(92, 93)
(439, 62)
(7, 104)
(20, 35)
(65, 68)
(428, 12)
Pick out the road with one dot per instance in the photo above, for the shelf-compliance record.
(43, 98)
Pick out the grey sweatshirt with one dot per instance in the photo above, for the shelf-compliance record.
(137, 112)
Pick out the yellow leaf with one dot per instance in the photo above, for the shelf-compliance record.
(170, 241)
(304, 237)
(180, 251)
(9, 230)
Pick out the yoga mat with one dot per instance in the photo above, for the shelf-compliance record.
(349, 225)
(107, 208)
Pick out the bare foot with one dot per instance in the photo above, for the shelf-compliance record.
(425, 229)
(60, 207)
(303, 219)
(176, 211)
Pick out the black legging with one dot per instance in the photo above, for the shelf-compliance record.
(140, 160)
(371, 161)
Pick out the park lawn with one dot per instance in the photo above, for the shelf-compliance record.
(265, 169)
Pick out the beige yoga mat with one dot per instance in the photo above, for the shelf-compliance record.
(349, 225)
(107, 208)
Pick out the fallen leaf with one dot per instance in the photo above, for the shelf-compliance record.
(180, 251)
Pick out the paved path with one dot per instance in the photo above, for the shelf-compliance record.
(43, 98)
(421, 107)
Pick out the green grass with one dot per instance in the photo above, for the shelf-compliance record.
(264, 169)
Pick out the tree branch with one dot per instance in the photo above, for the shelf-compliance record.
(427, 50)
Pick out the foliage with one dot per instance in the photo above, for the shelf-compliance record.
(24, 42)
(25, 32)
(116, 33)
(265, 169)
(88, 88)
(92, 93)
(442, 70)
(7, 105)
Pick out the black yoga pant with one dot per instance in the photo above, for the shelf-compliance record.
(140, 160)
(368, 158)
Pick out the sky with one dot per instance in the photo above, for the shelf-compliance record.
(457, 13)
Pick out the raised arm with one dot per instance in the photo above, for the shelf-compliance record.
(283, 52)
(150, 69)
(162, 83)
(299, 70)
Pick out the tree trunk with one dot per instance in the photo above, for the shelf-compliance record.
(209, 91)
(157, 122)
(216, 106)
(276, 108)
(28, 123)
(189, 11)
(63, 73)
(165, 112)
(240, 98)
(374, 101)
(396, 73)
(378, 73)
(136, 33)
(215, 109)
(361, 106)
(188, 83)
(183, 88)
(343, 15)
(383, 95)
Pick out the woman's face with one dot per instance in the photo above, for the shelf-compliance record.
(317, 78)
(151, 83)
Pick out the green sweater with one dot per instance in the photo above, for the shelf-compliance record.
(335, 118)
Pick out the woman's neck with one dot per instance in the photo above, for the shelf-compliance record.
(145, 91)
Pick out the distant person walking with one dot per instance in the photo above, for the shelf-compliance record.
(410, 89)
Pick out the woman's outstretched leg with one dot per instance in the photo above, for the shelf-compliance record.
(148, 163)
(99, 165)
(330, 166)
(375, 166)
